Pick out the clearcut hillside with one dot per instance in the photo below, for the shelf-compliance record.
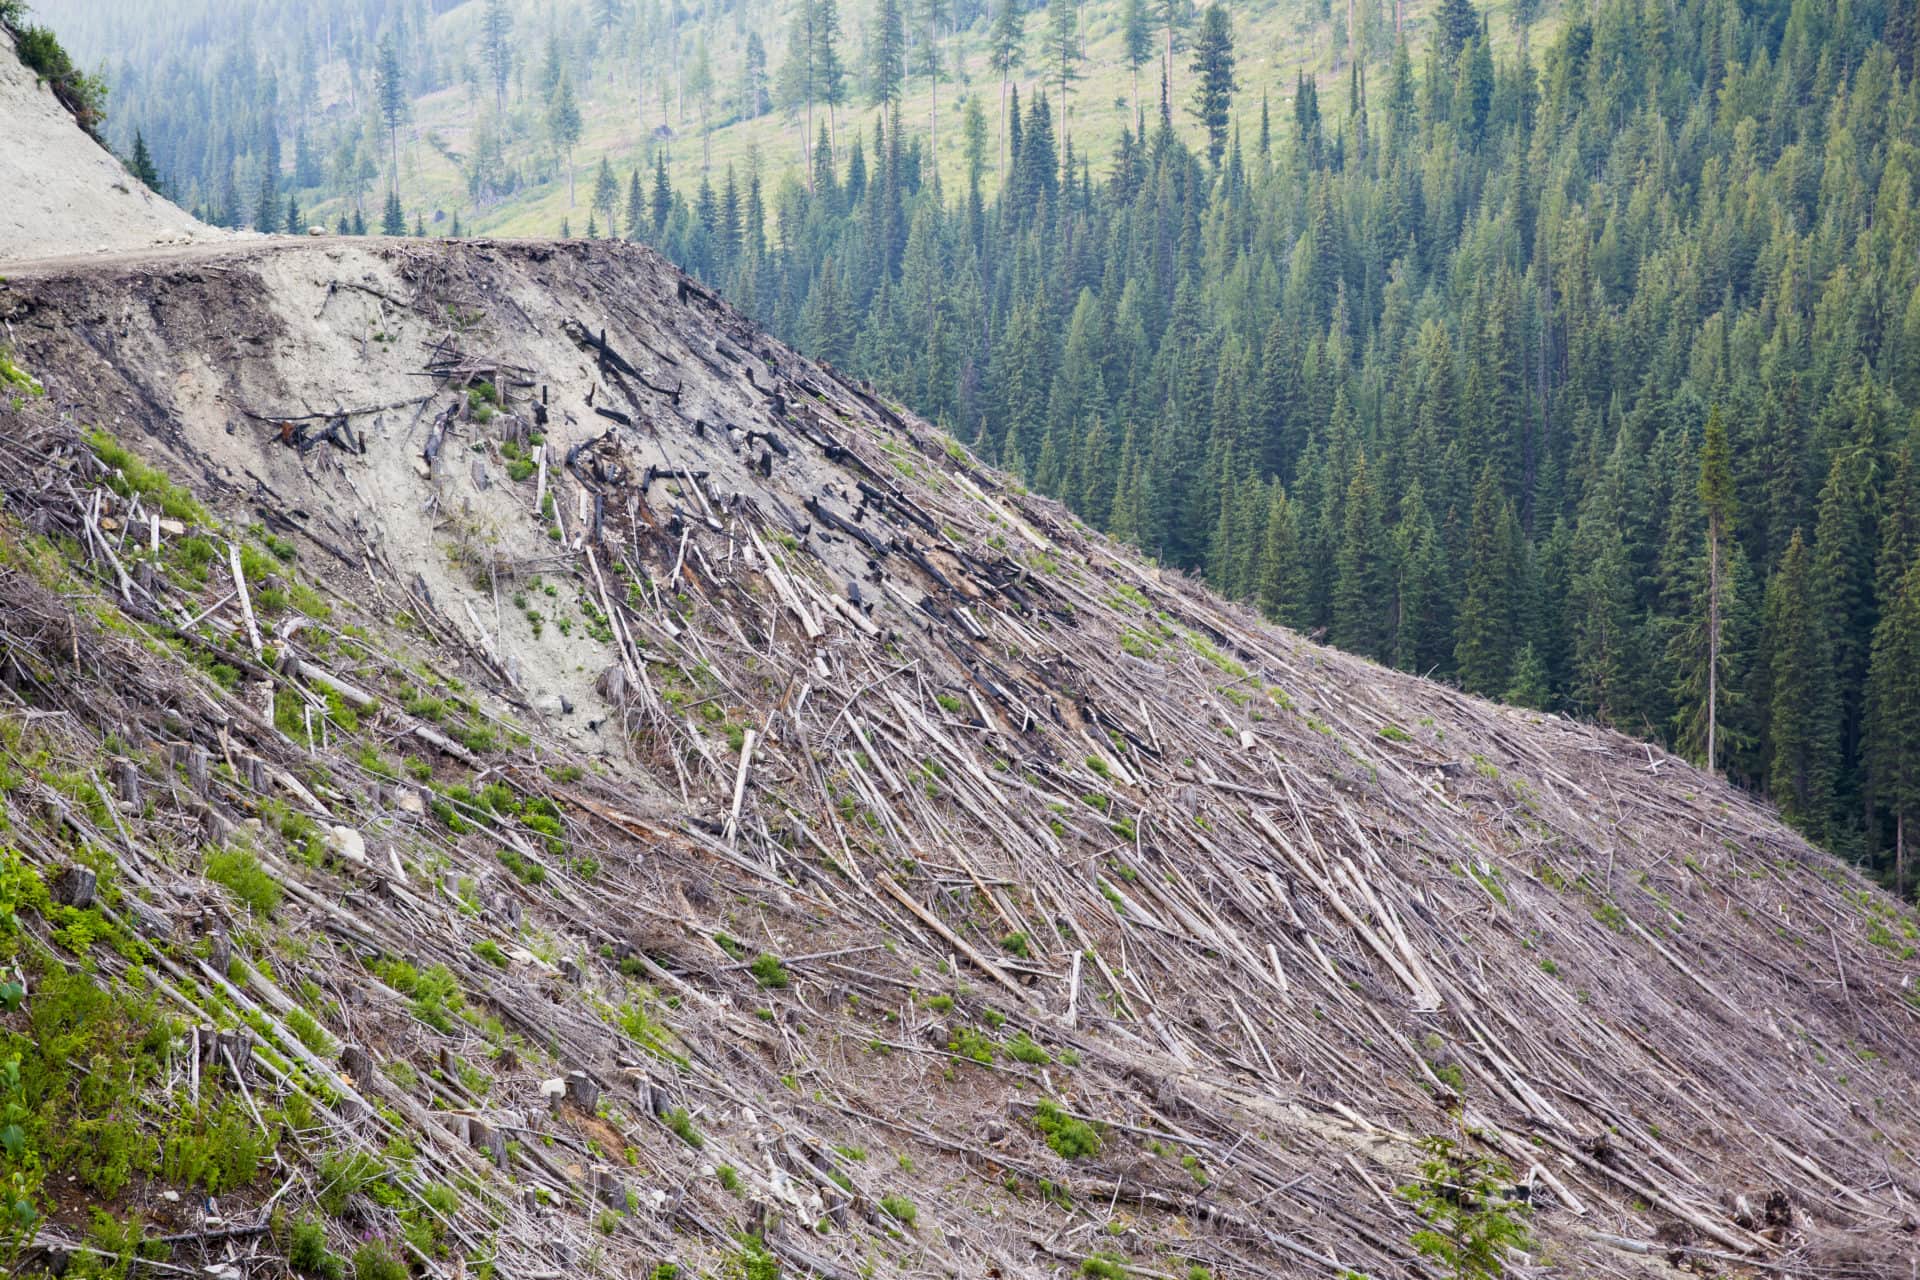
(509, 770)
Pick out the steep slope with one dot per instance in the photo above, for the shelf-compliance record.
(876, 861)
(64, 192)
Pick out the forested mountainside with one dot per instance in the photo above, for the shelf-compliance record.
(1572, 361)
(1581, 376)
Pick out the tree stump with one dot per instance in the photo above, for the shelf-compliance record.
(607, 1186)
(355, 1061)
(126, 782)
(582, 1091)
(74, 887)
(197, 762)
(483, 1137)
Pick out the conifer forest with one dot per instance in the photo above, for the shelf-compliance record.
(1564, 350)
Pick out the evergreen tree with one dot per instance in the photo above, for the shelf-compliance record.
(496, 48)
(141, 165)
(1004, 54)
(1717, 497)
(606, 194)
(292, 224)
(754, 98)
(1528, 687)
(1136, 46)
(1893, 712)
(1360, 568)
(1802, 730)
(636, 219)
(394, 221)
(1282, 589)
(1486, 624)
(267, 214)
(1063, 51)
(390, 95)
(662, 202)
(563, 126)
(1455, 26)
(886, 54)
(1214, 79)
(829, 72)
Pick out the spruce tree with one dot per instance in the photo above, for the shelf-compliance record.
(1717, 497)
(1802, 729)
(1136, 46)
(394, 221)
(1455, 26)
(1063, 51)
(563, 126)
(1214, 84)
(1893, 716)
(1483, 653)
(753, 78)
(829, 72)
(1360, 567)
(141, 165)
(496, 48)
(606, 194)
(886, 53)
(267, 213)
(662, 202)
(636, 221)
(1004, 44)
(390, 96)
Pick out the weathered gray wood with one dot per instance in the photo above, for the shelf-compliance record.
(74, 887)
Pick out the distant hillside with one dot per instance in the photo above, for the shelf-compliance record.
(64, 192)
(221, 88)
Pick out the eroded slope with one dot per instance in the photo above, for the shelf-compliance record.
(909, 876)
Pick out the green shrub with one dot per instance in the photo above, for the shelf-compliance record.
(377, 1260)
(1022, 1049)
(84, 95)
(344, 1175)
(435, 992)
(682, 1125)
(489, 950)
(972, 1045)
(242, 876)
(308, 1254)
(1105, 1266)
(1069, 1136)
(1470, 1222)
(768, 971)
(900, 1209)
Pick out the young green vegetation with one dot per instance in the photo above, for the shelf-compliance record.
(1069, 1136)
(242, 875)
(1471, 1224)
(769, 972)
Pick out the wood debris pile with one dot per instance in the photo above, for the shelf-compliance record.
(882, 809)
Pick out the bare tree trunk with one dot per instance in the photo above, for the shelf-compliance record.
(1713, 639)
(1003, 131)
